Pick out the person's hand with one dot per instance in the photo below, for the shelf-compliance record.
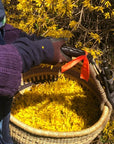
(59, 56)
(64, 53)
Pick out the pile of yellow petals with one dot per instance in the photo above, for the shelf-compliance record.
(63, 105)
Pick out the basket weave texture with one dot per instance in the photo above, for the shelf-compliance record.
(24, 134)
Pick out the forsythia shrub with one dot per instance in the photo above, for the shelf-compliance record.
(108, 133)
(88, 22)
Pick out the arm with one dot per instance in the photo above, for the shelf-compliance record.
(10, 70)
(34, 52)
(23, 54)
(12, 34)
(41, 50)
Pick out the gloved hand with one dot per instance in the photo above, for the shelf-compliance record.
(40, 50)
(59, 55)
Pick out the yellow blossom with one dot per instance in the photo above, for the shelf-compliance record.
(107, 4)
(108, 131)
(78, 44)
(99, 8)
(107, 15)
(61, 105)
(86, 3)
(102, 1)
(72, 23)
(95, 36)
(112, 14)
(95, 53)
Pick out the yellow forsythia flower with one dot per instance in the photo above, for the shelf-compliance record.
(78, 44)
(102, 1)
(86, 3)
(95, 53)
(73, 24)
(107, 15)
(112, 14)
(107, 4)
(95, 36)
(108, 131)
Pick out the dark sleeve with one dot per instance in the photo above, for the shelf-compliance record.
(11, 34)
(10, 70)
(34, 52)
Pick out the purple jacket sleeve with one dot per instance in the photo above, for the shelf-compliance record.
(10, 70)
(11, 33)
(34, 52)
(19, 55)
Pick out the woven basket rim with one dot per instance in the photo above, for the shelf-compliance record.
(106, 112)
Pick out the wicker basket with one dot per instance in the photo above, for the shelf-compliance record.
(23, 134)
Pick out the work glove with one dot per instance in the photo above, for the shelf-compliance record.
(59, 55)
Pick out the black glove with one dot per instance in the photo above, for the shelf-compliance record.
(59, 55)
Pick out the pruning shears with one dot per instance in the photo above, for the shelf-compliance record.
(106, 75)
